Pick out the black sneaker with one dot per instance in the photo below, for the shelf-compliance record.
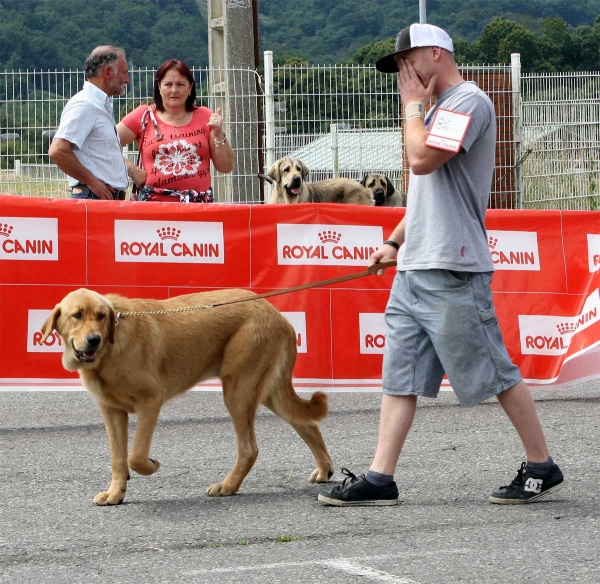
(528, 487)
(355, 490)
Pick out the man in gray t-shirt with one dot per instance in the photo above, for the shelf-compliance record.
(440, 317)
(445, 220)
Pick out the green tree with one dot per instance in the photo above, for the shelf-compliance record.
(369, 54)
(487, 46)
(588, 55)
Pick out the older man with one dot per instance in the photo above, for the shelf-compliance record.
(86, 146)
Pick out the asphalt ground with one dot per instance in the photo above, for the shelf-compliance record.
(54, 459)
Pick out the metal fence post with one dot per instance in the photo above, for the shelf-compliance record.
(335, 151)
(269, 116)
(515, 70)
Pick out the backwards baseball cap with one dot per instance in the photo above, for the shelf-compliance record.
(411, 37)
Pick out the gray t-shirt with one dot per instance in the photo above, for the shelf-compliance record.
(445, 212)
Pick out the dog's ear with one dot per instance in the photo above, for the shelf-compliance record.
(274, 172)
(305, 170)
(363, 182)
(50, 323)
(390, 187)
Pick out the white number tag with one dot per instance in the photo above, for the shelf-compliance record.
(447, 130)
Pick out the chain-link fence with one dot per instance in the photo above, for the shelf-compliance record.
(340, 120)
(561, 141)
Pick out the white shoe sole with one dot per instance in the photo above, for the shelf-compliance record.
(500, 501)
(375, 503)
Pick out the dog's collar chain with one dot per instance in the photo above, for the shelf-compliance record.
(155, 312)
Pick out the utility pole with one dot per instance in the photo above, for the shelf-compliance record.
(231, 58)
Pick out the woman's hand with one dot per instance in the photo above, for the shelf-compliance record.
(138, 175)
(216, 123)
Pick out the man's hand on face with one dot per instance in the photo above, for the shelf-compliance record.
(410, 85)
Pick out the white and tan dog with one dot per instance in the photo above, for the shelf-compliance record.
(288, 176)
(136, 364)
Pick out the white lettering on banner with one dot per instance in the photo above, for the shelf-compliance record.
(172, 242)
(594, 252)
(326, 245)
(35, 320)
(372, 331)
(28, 238)
(298, 321)
(551, 335)
(514, 250)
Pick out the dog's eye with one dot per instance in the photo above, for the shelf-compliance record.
(77, 315)
(101, 316)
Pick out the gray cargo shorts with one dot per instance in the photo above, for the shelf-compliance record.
(444, 321)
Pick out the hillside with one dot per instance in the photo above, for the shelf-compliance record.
(42, 34)
(328, 31)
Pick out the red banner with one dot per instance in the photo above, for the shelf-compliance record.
(546, 284)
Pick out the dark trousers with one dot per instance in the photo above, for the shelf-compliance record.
(86, 193)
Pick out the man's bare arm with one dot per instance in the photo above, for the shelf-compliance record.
(61, 152)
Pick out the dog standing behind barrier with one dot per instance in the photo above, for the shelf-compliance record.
(383, 190)
(290, 186)
(163, 350)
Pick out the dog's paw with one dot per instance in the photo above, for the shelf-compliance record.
(146, 466)
(220, 490)
(107, 498)
(320, 475)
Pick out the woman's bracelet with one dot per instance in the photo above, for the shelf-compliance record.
(217, 144)
(392, 243)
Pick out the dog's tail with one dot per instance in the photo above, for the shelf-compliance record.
(317, 406)
(265, 177)
(291, 407)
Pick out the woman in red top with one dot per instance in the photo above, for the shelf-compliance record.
(177, 140)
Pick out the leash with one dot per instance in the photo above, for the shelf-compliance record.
(368, 272)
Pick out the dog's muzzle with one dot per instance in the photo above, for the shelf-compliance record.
(379, 196)
(294, 188)
(88, 354)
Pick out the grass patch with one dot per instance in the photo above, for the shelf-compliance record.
(287, 538)
(14, 184)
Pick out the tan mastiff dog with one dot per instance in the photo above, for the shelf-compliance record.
(135, 364)
(383, 190)
(290, 186)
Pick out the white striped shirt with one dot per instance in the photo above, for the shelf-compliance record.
(87, 123)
